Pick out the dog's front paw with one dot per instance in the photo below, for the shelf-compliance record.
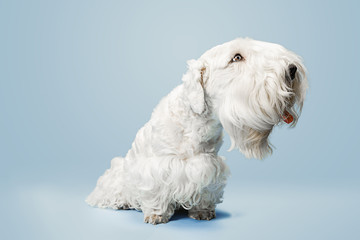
(202, 214)
(156, 219)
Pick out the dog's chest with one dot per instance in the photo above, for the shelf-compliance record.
(199, 135)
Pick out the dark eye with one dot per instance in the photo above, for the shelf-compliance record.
(237, 58)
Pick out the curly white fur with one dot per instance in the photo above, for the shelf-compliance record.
(173, 161)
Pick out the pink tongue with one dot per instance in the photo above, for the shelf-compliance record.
(287, 117)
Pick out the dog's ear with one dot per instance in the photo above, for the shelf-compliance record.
(194, 80)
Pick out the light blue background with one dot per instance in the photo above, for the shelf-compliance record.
(79, 78)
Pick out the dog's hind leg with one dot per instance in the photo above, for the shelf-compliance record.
(108, 191)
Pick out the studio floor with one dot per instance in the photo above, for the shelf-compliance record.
(254, 211)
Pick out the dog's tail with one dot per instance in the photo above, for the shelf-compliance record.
(107, 193)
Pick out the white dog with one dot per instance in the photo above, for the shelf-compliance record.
(244, 86)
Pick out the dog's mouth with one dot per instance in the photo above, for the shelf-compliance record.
(287, 117)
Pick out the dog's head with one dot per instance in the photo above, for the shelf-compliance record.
(252, 86)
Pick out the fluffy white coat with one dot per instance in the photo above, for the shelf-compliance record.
(173, 161)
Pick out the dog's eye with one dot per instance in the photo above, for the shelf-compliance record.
(237, 58)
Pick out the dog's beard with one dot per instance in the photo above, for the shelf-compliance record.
(250, 138)
(250, 120)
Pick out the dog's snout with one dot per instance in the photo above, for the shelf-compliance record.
(292, 71)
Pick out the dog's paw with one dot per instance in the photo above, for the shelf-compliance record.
(202, 215)
(156, 219)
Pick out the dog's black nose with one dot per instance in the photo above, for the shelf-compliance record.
(292, 71)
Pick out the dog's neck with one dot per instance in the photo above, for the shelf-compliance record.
(212, 137)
